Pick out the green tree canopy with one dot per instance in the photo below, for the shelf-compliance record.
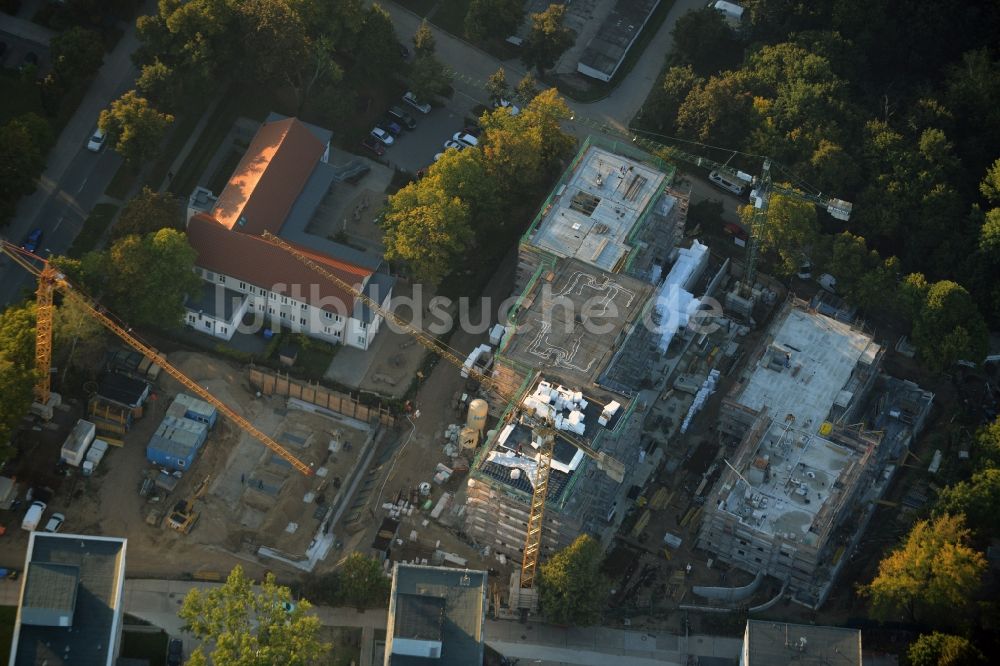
(428, 77)
(930, 577)
(948, 327)
(938, 649)
(990, 185)
(978, 499)
(149, 277)
(377, 53)
(790, 230)
(665, 101)
(493, 19)
(134, 127)
(548, 40)
(17, 369)
(362, 582)
(571, 588)
(496, 85)
(77, 53)
(251, 626)
(704, 41)
(147, 213)
(22, 156)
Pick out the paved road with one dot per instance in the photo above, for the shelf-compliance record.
(75, 178)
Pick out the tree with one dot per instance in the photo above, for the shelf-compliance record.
(17, 370)
(703, 40)
(427, 229)
(497, 86)
(493, 19)
(948, 327)
(77, 53)
(526, 89)
(665, 101)
(252, 626)
(930, 577)
(990, 185)
(978, 499)
(423, 40)
(718, 112)
(363, 584)
(23, 143)
(862, 277)
(938, 649)
(571, 588)
(74, 330)
(789, 231)
(160, 84)
(134, 127)
(150, 276)
(147, 213)
(428, 77)
(549, 39)
(377, 53)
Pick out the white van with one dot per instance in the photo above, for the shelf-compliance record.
(33, 517)
(727, 182)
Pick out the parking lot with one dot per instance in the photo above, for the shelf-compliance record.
(415, 149)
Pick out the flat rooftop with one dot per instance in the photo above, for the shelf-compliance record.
(571, 324)
(457, 600)
(98, 566)
(594, 215)
(770, 643)
(787, 481)
(608, 47)
(806, 367)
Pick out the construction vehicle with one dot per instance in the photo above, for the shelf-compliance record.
(50, 280)
(183, 517)
(543, 432)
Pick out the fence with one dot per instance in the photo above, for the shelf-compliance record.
(272, 383)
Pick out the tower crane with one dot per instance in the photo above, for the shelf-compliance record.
(51, 280)
(763, 188)
(543, 431)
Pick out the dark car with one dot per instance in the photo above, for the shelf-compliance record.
(404, 52)
(391, 127)
(175, 652)
(33, 239)
(402, 117)
(374, 145)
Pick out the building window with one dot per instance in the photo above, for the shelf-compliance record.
(741, 552)
(283, 314)
(192, 318)
(260, 307)
(273, 296)
(361, 339)
(326, 330)
(243, 285)
(208, 324)
(364, 325)
(270, 310)
(253, 289)
(304, 306)
(222, 329)
(302, 320)
(284, 300)
(757, 559)
(328, 315)
(209, 275)
(222, 279)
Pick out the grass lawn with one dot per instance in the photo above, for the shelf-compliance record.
(93, 228)
(7, 616)
(145, 645)
(450, 16)
(599, 89)
(122, 182)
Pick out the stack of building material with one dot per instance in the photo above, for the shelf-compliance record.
(111, 420)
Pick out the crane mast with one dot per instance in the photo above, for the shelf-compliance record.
(544, 432)
(51, 280)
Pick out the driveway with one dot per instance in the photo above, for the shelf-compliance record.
(413, 150)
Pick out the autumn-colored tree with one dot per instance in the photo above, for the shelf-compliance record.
(549, 38)
(526, 89)
(572, 590)
(247, 625)
(496, 86)
(423, 39)
(939, 649)
(17, 370)
(930, 577)
(978, 499)
(789, 231)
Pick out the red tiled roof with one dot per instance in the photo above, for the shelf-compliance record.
(254, 260)
(269, 178)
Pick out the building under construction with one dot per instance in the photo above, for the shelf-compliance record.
(587, 279)
(821, 429)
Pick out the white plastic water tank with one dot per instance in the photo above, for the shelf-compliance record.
(478, 409)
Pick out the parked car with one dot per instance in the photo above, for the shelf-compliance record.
(740, 236)
(454, 144)
(467, 139)
(438, 156)
(411, 99)
(372, 144)
(382, 136)
(504, 104)
(404, 52)
(96, 141)
(391, 127)
(55, 522)
(474, 130)
(33, 516)
(405, 119)
(32, 240)
(175, 652)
